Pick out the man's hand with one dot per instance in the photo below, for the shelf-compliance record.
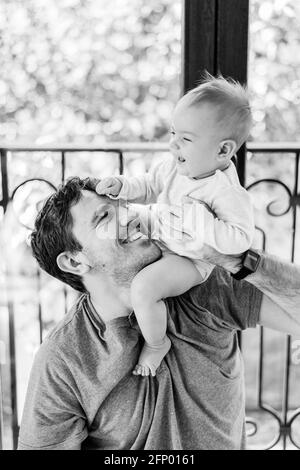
(110, 186)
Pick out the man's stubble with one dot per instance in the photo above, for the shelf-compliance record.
(122, 262)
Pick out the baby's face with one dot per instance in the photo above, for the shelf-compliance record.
(195, 139)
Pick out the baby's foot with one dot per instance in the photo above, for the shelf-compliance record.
(151, 357)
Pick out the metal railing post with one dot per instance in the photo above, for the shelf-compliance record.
(1, 410)
(12, 348)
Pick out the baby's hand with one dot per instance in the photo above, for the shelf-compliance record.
(109, 186)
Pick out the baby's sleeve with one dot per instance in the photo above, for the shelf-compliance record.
(230, 230)
(145, 189)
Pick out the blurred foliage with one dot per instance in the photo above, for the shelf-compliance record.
(274, 69)
(94, 71)
(88, 70)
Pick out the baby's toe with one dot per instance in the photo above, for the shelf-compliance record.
(137, 370)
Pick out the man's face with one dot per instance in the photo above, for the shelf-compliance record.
(109, 234)
(195, 138)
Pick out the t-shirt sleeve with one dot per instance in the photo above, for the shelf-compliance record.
(236, 303)
(52, 418)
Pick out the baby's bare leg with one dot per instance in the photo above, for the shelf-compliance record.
(172, 275)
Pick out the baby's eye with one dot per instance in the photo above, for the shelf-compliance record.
(186, 139)
(172, 132)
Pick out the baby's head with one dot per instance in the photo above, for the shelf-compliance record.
(210, 123)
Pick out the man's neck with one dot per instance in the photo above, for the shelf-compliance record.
(109, 299)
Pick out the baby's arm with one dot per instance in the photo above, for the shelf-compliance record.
(231, 229)
(227, 226)
(143, 189)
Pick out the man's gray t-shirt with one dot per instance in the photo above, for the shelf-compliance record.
(82, 389)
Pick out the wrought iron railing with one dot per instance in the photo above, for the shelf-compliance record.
(286, 417)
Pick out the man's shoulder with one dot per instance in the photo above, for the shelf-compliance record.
(218, 279)
(218, 284)
(236, 304)
(64, 334)
(69, 319)
(69, 322)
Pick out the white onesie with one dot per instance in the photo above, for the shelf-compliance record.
(228, 224)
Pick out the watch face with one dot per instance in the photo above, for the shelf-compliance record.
(251, 261)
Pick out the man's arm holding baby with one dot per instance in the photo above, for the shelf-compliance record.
(278, 280)
(280, 283)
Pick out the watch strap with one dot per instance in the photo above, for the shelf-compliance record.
(250, 262)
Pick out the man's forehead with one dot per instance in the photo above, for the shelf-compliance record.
(89, 202)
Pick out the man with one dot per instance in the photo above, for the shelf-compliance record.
(82, 393)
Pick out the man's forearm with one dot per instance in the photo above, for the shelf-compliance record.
(279, 280)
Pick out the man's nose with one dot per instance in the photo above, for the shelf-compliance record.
(126, 215)
(128, 220)
(174, 143)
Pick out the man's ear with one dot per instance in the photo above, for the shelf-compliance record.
(74, 263)
(227, 149)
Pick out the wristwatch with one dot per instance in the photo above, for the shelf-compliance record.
(250, 263)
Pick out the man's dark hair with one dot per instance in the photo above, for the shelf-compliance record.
(53, 229)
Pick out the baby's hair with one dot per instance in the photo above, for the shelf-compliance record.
(231, 101)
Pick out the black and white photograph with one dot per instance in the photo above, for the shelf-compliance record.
(149, 227)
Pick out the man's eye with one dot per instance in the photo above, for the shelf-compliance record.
(172, 132)
(102, 217)
(105, 214)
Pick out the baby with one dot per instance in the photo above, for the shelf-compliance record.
(201, 187)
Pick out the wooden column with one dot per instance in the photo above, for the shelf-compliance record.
(215, 38)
